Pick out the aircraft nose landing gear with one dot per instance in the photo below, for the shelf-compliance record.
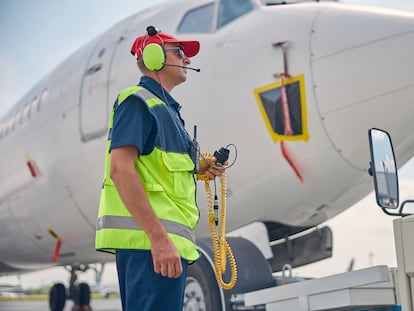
(80, 293)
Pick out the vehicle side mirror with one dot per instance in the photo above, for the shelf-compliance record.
(383, 169)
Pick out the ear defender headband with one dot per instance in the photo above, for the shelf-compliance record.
(153, 55)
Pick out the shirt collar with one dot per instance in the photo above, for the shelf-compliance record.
(154, 87)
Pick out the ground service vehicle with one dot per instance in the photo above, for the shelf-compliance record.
(374, 288)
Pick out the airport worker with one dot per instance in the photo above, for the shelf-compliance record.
(147, 212)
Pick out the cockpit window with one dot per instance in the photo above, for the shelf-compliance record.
(199, 20)
(229, 10)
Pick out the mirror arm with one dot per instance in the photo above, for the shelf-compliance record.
(402, 207)
(389, 213)
(400, 213)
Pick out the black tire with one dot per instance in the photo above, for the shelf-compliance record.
(57, 297)
(83, 294)
(201, 291)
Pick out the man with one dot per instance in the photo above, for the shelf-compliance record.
(148, 213)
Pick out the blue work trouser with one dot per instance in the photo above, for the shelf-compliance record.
(142, 289)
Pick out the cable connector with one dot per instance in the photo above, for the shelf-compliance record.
(215, 208)
(222, 155)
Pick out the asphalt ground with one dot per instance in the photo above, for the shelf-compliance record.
(97, 305)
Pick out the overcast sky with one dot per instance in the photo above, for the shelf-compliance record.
(37, 35)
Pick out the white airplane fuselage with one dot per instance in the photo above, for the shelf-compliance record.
(357, 73)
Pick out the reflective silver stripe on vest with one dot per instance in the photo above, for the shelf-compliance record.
(145, 94)
(124, 222)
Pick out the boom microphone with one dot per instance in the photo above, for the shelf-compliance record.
(195, 69)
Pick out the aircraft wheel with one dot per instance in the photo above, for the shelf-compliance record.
(57, 297)
(201, 290)
(83, 294)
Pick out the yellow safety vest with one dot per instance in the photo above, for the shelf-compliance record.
(168, 180)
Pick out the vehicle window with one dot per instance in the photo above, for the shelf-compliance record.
(199, 20)
(229, 10)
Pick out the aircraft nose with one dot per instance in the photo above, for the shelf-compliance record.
(363, 76)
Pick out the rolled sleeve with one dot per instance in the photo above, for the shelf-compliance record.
(133, 125)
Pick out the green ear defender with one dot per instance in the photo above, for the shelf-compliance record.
(153, 56)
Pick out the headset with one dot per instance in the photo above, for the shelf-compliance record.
(154, 54)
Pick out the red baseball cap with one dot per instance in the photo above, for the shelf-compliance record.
(190, 47)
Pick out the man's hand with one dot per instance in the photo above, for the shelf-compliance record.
(165, 255)
(209, 166)
(166, 258)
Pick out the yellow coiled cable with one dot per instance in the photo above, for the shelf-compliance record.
(221, 248)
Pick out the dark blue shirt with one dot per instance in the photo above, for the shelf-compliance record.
(133, 123)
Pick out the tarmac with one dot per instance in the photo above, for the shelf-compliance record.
(97, 305)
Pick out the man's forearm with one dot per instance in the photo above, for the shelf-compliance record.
(133, 196)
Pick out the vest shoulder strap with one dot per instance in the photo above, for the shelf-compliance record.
(150, 98)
